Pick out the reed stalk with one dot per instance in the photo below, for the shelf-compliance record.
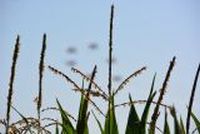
(159, 101)
(192, 100)
(11, 82)
(110, 62)
(41, 73)
(110, 51)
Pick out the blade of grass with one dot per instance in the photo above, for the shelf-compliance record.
(192, 99)
(57, 129)
(147, 107)
(111, 126)
(86, 128)
(133, 125)
(82, 120)
(166, 125)
(177, 128)
(196, 121)
(99, 123)
(182, 126)
(67, 127)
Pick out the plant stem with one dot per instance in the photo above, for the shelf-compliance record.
(192, 100)
(11, 83)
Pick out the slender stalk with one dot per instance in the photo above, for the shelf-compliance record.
(110, 62)
(110, 51)
(192, 100)
(141, 102)
(124, 82)
(159, 101)
(11, 83)
(83, 118)
(41, 72)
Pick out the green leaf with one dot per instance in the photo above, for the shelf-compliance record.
(133, 125)
(111, 126)
(182, 126)
(147, 107)
(166, 125)
(196, 121)
(67, 127)
(82, 127)
(86, 130)
(99, 123)
(57, 129)
(177, 129)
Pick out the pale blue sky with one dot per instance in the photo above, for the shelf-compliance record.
(145, 33)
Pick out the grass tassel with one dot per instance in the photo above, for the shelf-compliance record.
(41, 73)
(162, 92)
(11, 83)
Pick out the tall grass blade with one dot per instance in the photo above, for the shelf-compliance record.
(67, 127)
(133, 125)
(182, 126)
(82, 118)
(57, 129)
(196, 121)
(147, 107)
(99, 123)
(166, 125)
(11, 82)
(177, 128)
(191, 100)
(111, 126)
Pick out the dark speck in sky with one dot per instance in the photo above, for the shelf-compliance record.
(71, 63)
(93, 46)
(71, 50)
(117, 78)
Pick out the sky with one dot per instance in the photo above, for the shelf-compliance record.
(146, 33)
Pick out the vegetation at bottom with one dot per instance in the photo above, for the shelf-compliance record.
(137, 123)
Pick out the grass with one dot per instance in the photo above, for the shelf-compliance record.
(11, 83)
(41, 72)
(136, 124)
(162, 92)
